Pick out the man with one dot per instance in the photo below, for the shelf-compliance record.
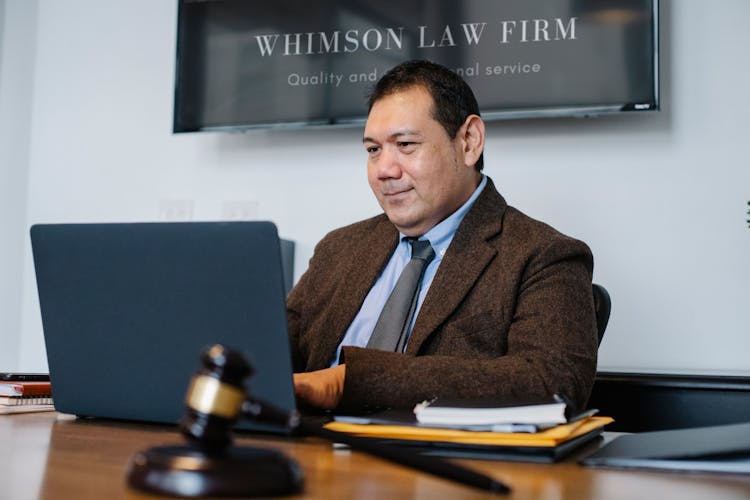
(505, 310)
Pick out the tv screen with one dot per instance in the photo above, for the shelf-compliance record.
(245, 64)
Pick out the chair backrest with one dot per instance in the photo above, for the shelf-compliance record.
(602, 306)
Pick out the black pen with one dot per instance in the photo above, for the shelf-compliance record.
(430, 464)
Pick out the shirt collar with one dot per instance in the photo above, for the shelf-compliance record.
(442, 234)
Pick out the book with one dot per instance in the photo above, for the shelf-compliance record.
(25, 389)
(719, 448)
(547, 445)
(543, 414)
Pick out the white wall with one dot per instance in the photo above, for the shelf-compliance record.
(17, 41)
(659, 197)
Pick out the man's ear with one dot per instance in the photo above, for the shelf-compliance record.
(472, 139)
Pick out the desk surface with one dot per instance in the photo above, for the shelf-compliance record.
(50, 456)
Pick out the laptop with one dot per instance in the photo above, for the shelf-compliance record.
(127, 309)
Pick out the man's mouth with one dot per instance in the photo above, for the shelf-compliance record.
(396, 192)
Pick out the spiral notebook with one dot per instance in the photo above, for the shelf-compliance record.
(25, 404)
(127, 309)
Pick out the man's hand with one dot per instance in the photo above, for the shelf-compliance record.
(322, 388)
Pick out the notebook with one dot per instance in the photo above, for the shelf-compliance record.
(127, 309)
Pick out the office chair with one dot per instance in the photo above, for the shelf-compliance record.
(602, 306)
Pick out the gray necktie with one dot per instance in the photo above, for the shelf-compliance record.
(392, 328)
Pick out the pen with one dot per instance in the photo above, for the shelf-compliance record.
(429, 464)
(515, 428)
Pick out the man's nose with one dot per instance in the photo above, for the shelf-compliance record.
(389, 165)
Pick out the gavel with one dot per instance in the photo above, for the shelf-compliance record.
(210, 465)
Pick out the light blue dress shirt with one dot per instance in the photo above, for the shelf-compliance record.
(440, 238)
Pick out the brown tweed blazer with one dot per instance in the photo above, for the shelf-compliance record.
(509, 315)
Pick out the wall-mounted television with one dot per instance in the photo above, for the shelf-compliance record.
(248, 64)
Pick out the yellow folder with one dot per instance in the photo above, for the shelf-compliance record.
(551, 437)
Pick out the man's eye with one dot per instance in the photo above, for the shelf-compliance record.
(406, 145)
(372, 149)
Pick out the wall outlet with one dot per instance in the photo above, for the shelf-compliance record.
(176, 210)
(239, 210)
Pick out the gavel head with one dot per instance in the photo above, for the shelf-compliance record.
(214, 399)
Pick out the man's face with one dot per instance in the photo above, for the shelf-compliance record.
(418, 174)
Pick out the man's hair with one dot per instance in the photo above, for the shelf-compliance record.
(452, 98)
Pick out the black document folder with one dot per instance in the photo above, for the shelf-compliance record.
(538, 454)
(722, 448)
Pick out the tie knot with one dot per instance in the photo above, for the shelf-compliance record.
(421, 249)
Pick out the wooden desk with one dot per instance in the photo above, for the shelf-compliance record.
(50, 456)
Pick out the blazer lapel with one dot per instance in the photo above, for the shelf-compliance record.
(369, 256)
(466, 258)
